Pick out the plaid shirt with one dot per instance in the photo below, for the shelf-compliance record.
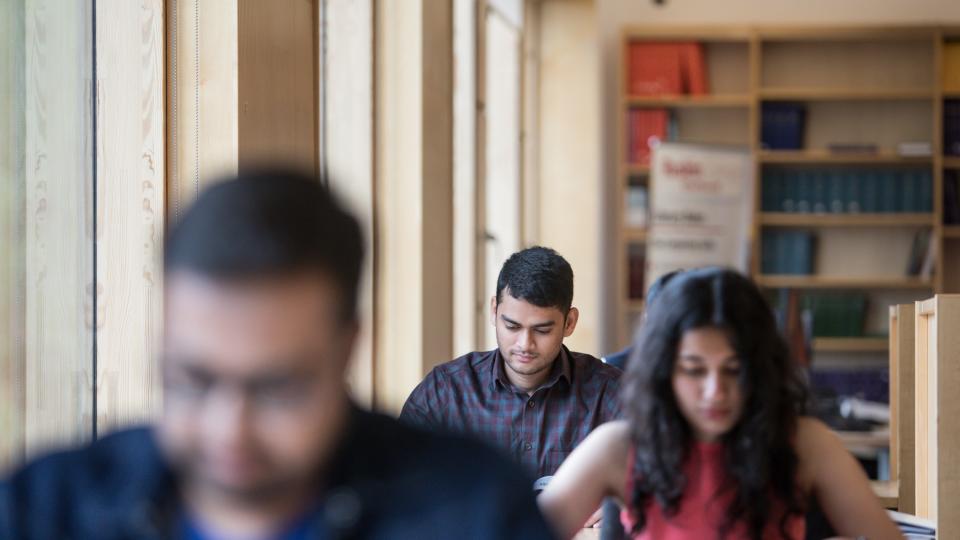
(472, 394)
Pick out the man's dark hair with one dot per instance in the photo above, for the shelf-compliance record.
(538, 275)
(269, 224)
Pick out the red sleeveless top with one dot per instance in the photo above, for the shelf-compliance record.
(702, 509)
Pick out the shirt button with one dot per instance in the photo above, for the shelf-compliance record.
(531, 404)
(528, 447)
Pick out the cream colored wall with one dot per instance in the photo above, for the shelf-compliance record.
(570, 188)
(613, 15)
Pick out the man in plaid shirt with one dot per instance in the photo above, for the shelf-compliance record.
(531, 396)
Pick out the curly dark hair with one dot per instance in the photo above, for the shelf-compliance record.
(759, 454)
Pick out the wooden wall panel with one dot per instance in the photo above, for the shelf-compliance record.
(277, 89)
(414, 54)
(130, 208)
(11, 233)
(202, 97)
(58, 224)
(348, 149)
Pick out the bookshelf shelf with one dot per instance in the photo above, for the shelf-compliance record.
(951, 162)
(783, 219)
(951, 94)
(634, 234)
(774, 281)
(715, 100)
(951, 231)
(636, 305)
(844, 94)
(827, 157)
(851, 344)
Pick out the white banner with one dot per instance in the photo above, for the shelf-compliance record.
(702, 207)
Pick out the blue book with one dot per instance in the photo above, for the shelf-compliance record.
(781, 126)
(888, 192)
(768, 253)
(925, 192)
(820, 199)
(782, 264)
(803, 253)
(851, 192)
(805, 192)
(869, 195)
(835, 192)
(790, 191)
(770, 198)
(909, 191)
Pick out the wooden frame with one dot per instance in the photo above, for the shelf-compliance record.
(902, 405)
(937, 348)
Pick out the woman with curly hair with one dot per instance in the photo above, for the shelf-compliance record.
(714, 443)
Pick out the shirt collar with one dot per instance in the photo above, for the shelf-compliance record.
(560, 369)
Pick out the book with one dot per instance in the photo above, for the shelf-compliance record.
(915, 149)
(654, 68)
(636, 211)
(951, 198)
(782, 125)
(919, 252)
(695, 69)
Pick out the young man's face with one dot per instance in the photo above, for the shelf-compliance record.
(529, 337)
(254, 382)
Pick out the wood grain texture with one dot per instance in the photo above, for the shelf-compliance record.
(414, 194)
(905, 407)
(202, 97)
(59, 224)
(348, 151)
(130, 209)
(12, 237)
(938, 406)
(277, 83)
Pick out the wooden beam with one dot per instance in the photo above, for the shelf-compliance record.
(202, 97)
(347, 104)
(130, 209)
(414, 91)
(58, 225)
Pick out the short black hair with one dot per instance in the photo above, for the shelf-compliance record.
(538, 275)
(269, 224)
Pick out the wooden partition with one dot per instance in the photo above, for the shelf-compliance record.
(902, 398)
(937, 410)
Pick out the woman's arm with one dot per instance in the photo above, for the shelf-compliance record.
(596, 469)
(840, 485)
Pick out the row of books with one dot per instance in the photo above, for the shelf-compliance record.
(644, 128)
(666, 68)
(836, 314)
(847, 190)
(787, 252)
(951, 127)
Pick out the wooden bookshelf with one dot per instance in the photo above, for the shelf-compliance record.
(951, 231)
(731, 100)
(844, 94)
(850, 345)
(827, 157)
(883, 90)
(776, 281)
(635, 234)
(784, 219)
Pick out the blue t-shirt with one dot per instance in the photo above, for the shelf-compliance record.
(304, 528)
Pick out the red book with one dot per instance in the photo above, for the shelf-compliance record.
(648, 124)
(655, 68)
(695, 69)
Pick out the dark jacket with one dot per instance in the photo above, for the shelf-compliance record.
(387, 481)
